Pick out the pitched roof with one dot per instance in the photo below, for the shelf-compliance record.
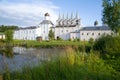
(46, 22)
(95, 28)
(65, 26)
(31, 27)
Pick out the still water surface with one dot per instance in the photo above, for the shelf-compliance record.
(28, 57)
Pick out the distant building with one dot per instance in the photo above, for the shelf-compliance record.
(65, 28)
(31, 33)
(86, 33)
(2, 36)
(67, 25)
(28, 33)
(71, 28)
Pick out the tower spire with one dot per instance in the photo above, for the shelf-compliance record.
(59, 16)
(67, 15)
(63, 16)
(76, 15)
(71, 15)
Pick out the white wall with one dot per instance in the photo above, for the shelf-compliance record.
(95, 34)
(44, 31)
(25, 34)
(75, 35)
(31, 34)
(64, 32)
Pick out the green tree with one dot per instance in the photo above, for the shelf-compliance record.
(4, 28)
(8, 36)
(51, 35)
(111, 14)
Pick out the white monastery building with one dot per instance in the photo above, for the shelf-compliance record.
(65, 28)
(31, 33)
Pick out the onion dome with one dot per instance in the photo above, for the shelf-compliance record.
(47, 14)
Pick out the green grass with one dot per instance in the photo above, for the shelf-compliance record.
(73, 66)
(48, 44)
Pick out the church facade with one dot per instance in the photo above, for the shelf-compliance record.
(68, 27)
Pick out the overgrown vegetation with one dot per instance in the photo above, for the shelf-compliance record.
(73, 66)
(109, 47)
(8, 36)
(95, 60)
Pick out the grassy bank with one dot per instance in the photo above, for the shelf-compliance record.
(73, 66)
(49, 44)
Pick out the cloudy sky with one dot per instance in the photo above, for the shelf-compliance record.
(31, 12)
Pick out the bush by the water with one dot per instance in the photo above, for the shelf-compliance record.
(109, 47)
(72, 66)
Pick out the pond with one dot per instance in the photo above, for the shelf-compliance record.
(20, 57)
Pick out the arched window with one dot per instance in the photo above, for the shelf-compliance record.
(98, 33)
(87, 33)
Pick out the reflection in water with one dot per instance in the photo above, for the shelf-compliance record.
(27, 56)
(7, 51)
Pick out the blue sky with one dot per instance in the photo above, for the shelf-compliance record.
(30, 12)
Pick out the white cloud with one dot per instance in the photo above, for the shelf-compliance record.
(27, 13)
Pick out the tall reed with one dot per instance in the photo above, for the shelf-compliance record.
(72, 66)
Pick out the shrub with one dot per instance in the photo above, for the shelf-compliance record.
(109, 47)
(69, 40)
(108, 44)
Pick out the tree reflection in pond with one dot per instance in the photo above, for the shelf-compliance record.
(7, 52)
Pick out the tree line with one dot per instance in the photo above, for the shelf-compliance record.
(4, 28)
